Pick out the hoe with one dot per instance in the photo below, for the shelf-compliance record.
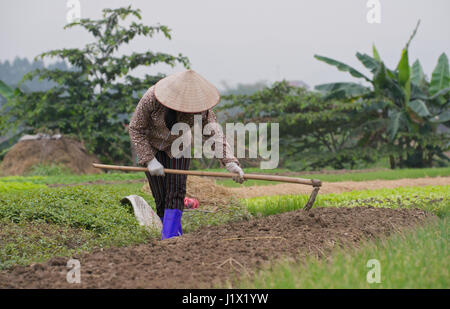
(316, 184)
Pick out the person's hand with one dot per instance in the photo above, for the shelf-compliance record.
(155, 168)
(234, 168)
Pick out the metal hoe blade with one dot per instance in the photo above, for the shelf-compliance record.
(312, 198)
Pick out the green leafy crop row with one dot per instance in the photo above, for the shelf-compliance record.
(432, 198)
(18, 186)
(95, 208)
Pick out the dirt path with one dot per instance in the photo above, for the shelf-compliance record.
(212, 255)
(337, 187)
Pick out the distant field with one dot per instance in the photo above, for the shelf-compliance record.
(328, 176)
(416, 259)
(353, 176)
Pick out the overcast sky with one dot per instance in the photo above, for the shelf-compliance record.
(244, 41)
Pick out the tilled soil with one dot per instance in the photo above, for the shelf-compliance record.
(211, 256)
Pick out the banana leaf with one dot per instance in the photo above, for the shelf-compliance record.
(404, 76)
(419, 107)
(443, 117)
(394, 122)
(343, 90)
(440, 79)
(369, 62)
(342, 67)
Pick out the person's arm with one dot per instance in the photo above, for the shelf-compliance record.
(230, 162)
(139, 124)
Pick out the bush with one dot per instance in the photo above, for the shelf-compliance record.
(94, 208)
(432, 198)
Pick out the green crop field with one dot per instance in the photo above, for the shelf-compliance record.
(39, 222)
(415, 259)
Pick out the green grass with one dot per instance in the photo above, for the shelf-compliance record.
(417, 259)
(94, 211)
(431, 198)
(18, 186)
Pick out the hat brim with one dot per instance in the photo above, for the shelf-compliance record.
(186, 92)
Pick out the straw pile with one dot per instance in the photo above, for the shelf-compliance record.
(205, 190)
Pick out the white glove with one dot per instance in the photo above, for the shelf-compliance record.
(234, 168)
(155, 168)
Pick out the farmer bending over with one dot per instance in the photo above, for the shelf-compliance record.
(176, 98)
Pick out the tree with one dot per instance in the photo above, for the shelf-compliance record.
(406, 109)
(95, 97)
(314, 133)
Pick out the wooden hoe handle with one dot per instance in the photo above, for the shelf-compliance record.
(311, 182)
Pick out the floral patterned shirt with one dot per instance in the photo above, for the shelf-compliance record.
(149, 133)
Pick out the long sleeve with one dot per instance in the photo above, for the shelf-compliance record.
(139, 124)
(227, 157)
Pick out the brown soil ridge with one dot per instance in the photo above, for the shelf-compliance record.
(205, 190)
(337, 187)
(214, 255)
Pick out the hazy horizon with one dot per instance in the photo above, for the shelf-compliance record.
(246, 41)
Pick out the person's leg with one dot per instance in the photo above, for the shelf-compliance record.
(158, 187)
(175, 192)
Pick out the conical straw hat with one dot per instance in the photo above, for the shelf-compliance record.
(186, 92)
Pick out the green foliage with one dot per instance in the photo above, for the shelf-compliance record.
(314, 133)
(431, 198)
(17, 187)
(405, 109)
(326, 177)
(93, 100)
(6, 91)
(41, 223)
(440, 79)
(235, 211)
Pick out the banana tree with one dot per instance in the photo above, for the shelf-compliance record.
(407, 109)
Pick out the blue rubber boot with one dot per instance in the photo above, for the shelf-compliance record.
(172, 223)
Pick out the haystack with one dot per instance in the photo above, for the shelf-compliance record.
(61, 151)
(205, 190)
